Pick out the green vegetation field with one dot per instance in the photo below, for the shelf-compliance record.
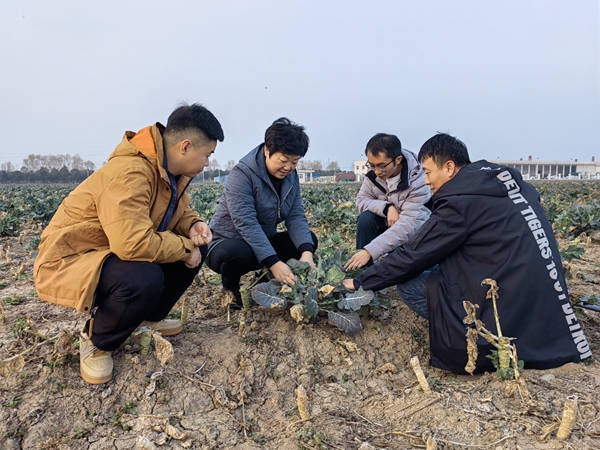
(573, 207)
(231, 390)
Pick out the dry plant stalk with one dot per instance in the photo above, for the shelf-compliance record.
(185, 309)
(431, 444)
(507, 352)
(2, 315)
(164, 349)
(226, 299)
(145, 339)
(414, 362)
(569, 417)
(16, 363)
(245, 294)
(302, 399)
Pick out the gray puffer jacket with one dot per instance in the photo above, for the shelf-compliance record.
(250, 208)
(408, 197)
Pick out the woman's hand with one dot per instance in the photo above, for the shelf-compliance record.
(282, 273)
(307, 257)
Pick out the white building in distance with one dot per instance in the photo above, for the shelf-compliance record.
(553, 170)
(531, 170)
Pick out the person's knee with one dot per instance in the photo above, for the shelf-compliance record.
(367, 219)
(147, 279)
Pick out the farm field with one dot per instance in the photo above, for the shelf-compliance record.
(230, 390)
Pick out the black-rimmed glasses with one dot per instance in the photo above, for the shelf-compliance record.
(378, 167)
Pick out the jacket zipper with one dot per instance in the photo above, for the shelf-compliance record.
(281, 201)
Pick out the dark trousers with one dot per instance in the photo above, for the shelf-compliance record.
(368, 227)
(130, 292)
(233, 258)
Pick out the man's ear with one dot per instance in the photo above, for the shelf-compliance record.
(185, 146)
(451, 169)
(267, 152)
(399, 159)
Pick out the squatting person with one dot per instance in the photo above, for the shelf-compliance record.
(125, 245)
(390, 201)
(262, 191)
(485, 223)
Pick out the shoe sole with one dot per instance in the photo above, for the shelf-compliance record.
(171, 332)
(93, 380)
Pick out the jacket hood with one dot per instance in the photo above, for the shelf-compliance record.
(255, 160)
(148, 141)
(478, 178)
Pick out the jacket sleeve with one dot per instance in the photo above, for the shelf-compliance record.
(239, 192)
(124, 213)
(443, 233)
(413, 214)
(366, 199)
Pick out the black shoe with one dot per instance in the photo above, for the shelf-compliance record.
(237, 305)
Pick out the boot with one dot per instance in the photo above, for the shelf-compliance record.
(95, 365)
(166, 327)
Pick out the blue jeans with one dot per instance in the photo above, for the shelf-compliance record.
(412, 293)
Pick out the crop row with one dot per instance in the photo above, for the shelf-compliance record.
(573, 207)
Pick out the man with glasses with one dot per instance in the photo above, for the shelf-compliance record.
(390, 201)
(485, 222)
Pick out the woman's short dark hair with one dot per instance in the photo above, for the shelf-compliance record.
(388, 144)
(285, 136)
(443, 148)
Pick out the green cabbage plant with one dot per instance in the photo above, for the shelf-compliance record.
(320, 291)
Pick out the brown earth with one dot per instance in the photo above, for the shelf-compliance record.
(223, 391)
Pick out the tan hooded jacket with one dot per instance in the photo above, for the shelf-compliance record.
(116, 210)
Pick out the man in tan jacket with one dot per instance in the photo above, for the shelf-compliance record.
(125, 245)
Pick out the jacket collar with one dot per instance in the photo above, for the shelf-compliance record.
(402, 184)
(255, 160)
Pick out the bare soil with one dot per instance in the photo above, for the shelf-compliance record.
(223, 391)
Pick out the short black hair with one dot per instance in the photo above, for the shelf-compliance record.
(285, 136)
(195, 119)
(384, 143)
(443, 148)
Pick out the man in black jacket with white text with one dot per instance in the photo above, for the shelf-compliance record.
(485, 223)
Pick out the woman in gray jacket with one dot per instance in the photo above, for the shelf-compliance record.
(263, 190)
(390, 201)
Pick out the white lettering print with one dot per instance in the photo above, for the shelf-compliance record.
(539, 234)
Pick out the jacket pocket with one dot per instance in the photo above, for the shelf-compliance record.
(456, 298)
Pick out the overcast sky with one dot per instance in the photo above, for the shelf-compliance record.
(510, 78)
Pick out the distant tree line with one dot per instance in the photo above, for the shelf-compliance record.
(47, 169)
(73, 169)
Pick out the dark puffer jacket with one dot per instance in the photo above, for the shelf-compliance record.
(250, 208)
(488, 223)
